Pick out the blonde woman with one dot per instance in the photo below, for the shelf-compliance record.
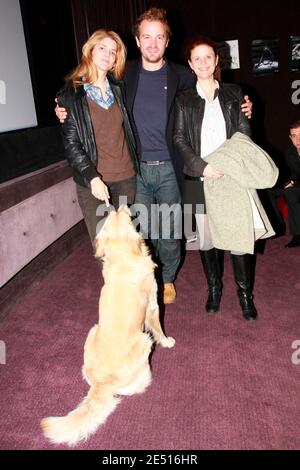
(97, 134)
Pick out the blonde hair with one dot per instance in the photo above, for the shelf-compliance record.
(153, 14)
(86, 71)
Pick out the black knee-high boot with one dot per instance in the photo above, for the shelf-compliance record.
(243, 268)
(211, 267)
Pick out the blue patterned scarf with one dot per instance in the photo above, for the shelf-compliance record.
(94, 93)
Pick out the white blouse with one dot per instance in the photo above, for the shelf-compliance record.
(213, 132)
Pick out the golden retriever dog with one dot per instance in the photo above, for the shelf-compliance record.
(116, 351)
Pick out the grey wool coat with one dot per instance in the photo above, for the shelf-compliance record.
(235, 213)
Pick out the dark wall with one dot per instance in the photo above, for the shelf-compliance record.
(50, 42)
(248, 20)
(89, 15)
(28, 150)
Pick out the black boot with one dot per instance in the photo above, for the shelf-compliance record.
(210, 263)
(243, 268)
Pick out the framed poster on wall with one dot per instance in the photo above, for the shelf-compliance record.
(229, 54)
(265, 56)
(234, 53)
(295, 53)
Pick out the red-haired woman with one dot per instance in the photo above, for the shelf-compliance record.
(205, 117)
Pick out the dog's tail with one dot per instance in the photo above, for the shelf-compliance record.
(84, 420)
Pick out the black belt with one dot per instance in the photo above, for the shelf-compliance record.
(193, 178)
(155, 162)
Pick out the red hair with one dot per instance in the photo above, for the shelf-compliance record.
(203, 41)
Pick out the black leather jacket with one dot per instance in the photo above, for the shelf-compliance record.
(293, 162)
(77, 131)
(189, 112)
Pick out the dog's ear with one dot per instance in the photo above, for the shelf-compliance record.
(100, 243)
(144, 248)
(140, 247)
(102, 238)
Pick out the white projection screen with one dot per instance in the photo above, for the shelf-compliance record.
(17, 109)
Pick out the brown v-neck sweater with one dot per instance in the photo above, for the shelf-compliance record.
(114, 161)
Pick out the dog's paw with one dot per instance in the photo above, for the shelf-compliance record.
(167, 342)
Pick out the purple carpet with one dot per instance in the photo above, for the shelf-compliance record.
(227, 384)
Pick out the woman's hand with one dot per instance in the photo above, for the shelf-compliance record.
(209, 172)
(100, 190)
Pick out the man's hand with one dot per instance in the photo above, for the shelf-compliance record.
(100, 190)
(61, 113)
(246, 107)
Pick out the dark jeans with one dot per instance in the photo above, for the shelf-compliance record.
(158, 196)
(94, 211)
(292, 197)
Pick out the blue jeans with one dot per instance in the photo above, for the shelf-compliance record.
(157, 191)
